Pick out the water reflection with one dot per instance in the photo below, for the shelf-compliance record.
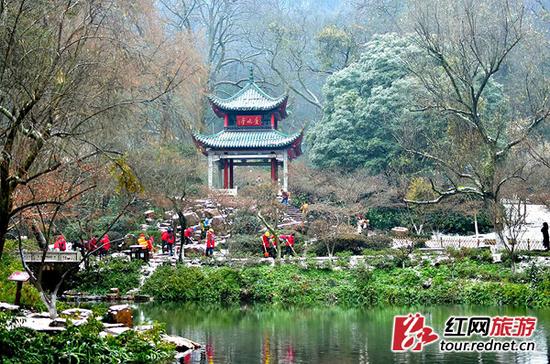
(268, 335)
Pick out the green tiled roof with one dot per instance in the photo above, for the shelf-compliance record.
(245, 139)
(249, 98)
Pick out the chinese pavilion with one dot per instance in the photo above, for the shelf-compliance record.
(250, 135)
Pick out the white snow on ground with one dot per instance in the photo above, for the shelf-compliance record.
(536, 215)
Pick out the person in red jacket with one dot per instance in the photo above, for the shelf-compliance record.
(150, 242)
(164, 240)
(210, 242)
(187, 234)
(105, 244)
(289, 243)
(92, 244)
(265, 244)
(168, 240)
(60, 243)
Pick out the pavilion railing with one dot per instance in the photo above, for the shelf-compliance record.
(53, 257)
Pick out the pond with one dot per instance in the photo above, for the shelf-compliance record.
(264, 334)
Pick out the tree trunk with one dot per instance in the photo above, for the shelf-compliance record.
(4, 223)
(50, 302)
(5, 209)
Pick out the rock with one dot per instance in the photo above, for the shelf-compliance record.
(121, 256)
(182, 344)
(58, 322)
(133, 291)
(110, 326)
(115, 331)
(8, 307)
(77, 313)
(212, 212)
(114, 294)
(217, 222)
(38, 324)
(400, 231)
(142, 298)
(39, 315)
(120, 314)
(142, 328)
(191, 218)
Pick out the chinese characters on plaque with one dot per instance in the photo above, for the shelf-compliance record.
(249, 120)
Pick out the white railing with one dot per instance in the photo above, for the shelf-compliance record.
(467, 242)
(225, 191)
(53, 257)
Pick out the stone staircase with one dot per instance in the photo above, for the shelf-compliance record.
(292, 216)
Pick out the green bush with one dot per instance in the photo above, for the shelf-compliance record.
(378, 242)
(81, 344)
(244, 245)
(102, 275)
(245, 222)
(440, 218)
(465, 282)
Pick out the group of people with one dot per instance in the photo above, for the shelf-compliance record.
(94, 245)
(269, 244)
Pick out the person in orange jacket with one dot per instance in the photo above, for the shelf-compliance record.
(60, 243)
(210, 242)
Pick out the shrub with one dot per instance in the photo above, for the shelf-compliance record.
(81, 344)
(245, 222)
(102, 275)
(243, 245)
(378, 242)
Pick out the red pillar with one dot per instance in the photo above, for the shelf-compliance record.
(225, 173)
(273, 121)
(225, 121)
(274, 169)
(231, 174)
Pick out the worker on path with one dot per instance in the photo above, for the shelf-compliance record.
(105, 243)
(265, 244)
(168, 240)
(289, 243)
(210, 242)
(187, 233)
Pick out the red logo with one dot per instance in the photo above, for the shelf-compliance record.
(410, 333)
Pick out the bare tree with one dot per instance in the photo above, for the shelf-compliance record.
(67, 68)
(468, 45)
(170, 178)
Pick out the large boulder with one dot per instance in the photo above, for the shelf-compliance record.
(120, 314)
(191, 218)
(218, 223)
(212, 212)
(182, 344)
(8, 307)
